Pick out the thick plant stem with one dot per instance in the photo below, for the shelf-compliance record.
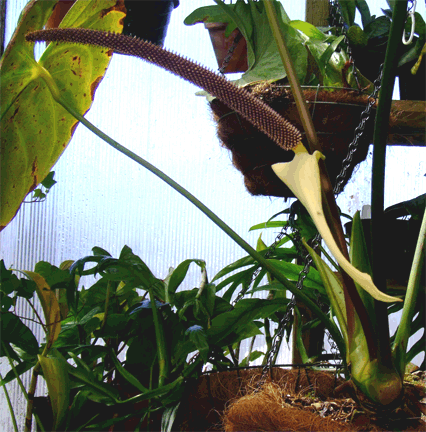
(331, 213)
(403, 332)
(378, 173)
(163, 358)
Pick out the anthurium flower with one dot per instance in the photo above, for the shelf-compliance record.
(302, 176)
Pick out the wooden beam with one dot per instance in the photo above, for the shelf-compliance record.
(317, 12)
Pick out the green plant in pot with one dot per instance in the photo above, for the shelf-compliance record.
(369, 45)
(375, 367)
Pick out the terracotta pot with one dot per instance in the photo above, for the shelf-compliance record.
(222, 44)
(58, 13)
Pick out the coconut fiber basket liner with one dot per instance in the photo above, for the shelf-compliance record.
(335, 114)
(210, 395)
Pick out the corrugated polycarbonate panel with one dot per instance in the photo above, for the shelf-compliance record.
(104, 199)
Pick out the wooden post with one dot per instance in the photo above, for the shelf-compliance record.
(317, 12)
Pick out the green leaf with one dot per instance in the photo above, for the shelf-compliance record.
(364, 10)
(179, 275)
(237, 320)
(55, 277)
(198, 337)
(55, 372)
(99, 391)
(35, 130)
(9, 283)
(309, 30)
(348, 8)
(359, 258)
(20, 369)
(292, 272)
(379, 27)
(14, 331)
(254, 355)
(269, 224)
(126, 374)
(211, 14)
(99, 251)
(264, 62)
(48, 182)
(168, 418)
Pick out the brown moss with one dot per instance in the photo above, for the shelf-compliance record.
(335, 115)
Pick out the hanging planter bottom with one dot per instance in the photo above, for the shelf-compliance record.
(300, 400)
(335, 114)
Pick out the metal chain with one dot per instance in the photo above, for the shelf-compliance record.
(279, 335)
(231, 50)
(359, 130)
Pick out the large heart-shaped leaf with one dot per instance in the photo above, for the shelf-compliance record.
(35, 130)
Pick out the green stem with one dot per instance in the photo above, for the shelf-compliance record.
(378, 173)
(108, 294)
(299, 337)
(403, 333)
(293, 80)
(163, 359)
(9, 404)
(18, 378)
(302, 297)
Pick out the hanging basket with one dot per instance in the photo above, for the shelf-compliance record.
(335, 114)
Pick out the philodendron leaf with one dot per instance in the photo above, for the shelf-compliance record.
(35, 130)
(302, 176)
(14, 331)
(55, 372)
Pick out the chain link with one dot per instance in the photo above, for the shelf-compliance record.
(359, 130)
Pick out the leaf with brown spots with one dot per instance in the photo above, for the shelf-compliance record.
(34, 129)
